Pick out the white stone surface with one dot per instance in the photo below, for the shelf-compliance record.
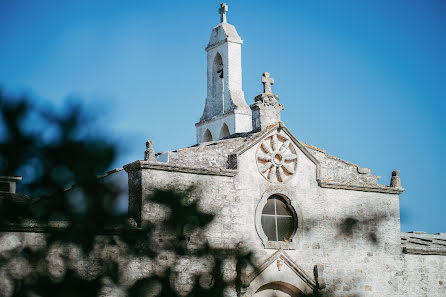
(354, 234)
(225, 101)
(346, 221)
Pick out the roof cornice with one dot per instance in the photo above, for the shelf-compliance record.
(138, 165)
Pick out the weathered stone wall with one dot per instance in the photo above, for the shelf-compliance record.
(58, 258)
(423, 276)
(220, 199)
(354, 234)
(213, 154)
(340, 171)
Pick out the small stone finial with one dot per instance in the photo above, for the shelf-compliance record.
(222, 11)
(267, 83)
(395, 181)
(318, 272)
(149, 154)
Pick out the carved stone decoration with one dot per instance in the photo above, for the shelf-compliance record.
(279, 264)
(149, 154)
(395, 181)
(276, 158)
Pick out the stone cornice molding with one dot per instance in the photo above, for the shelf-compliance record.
(424, 251)
(138, 165)
(220, 116)
(63, 226)
(323, 184)
(256, 140)
(268, 131)
(233, 166)
(376, 189)
(231, 40)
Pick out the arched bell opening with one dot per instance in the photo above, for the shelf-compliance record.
(217, 76)
(207, 136)
(224, 131)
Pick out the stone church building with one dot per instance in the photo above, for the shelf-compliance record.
(313, 221)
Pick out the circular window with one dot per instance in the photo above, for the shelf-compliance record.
(278, 219)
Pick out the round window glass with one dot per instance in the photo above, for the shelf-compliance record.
(278, 219)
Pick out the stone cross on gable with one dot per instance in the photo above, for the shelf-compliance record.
(222, 10)
(267, 83)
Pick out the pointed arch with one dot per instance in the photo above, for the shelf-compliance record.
(207, 136)
(224, 131)
(273, 288)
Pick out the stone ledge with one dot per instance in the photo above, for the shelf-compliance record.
(424, 251)
(232, 161)
(137, 165)
(62, 226)
(228, 39)
(220, 116)
(378, 189)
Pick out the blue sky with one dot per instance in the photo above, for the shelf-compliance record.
(364, 80)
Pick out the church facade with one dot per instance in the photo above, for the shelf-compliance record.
(314, 222)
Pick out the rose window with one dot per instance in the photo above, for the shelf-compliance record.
(276, 158)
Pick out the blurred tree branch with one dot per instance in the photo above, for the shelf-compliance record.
(71, 256)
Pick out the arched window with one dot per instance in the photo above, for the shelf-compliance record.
(224, 132)
(278, 219)
(207, 136)
(217, 76)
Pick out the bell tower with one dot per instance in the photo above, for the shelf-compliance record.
(225, 112)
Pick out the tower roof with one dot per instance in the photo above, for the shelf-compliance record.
(223, 32)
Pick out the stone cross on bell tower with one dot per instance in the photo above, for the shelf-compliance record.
(222, 11)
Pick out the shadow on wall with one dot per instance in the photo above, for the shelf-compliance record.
(78, 242)
(351, 226)
(85, 246)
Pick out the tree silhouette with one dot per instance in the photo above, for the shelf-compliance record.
(73, 241)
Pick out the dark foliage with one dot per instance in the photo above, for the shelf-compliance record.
(56, 150)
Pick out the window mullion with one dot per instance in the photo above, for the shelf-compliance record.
(275, 219)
